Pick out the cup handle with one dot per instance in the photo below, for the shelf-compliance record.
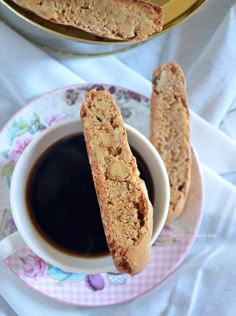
(10, 244)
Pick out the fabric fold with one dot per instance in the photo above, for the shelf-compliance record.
(27, 72)
(215, 148)
(212, 90)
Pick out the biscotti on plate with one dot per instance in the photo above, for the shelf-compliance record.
(126, 211)
(115, 19)
(170, 132)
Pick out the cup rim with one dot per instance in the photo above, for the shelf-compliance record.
(37, 244)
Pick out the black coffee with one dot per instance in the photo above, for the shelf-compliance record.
(62, 201)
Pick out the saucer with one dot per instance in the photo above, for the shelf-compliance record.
(170, 248)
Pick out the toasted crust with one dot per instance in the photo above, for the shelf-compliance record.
(170, 132)
(126, 211)
(115, 19)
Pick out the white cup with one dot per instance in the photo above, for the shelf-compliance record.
(27, 233)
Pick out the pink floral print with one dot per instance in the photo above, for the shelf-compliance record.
(34, 266)
(50, 120)
(18, 147)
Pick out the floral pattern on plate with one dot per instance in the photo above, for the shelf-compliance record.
(112, 287)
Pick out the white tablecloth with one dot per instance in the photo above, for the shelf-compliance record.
(205, 47)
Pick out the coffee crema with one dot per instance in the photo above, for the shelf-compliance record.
(62, 200)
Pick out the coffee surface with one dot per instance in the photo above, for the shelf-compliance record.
(62, 201)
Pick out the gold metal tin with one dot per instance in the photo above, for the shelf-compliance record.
(69, 40)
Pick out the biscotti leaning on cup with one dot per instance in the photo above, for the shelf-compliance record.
(126, 211)
(114, 19)
(170, 132)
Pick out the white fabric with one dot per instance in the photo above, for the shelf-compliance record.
(205, 47)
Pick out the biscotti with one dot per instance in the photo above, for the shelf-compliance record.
(115, 19)
(170, 132)
(126, 211)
